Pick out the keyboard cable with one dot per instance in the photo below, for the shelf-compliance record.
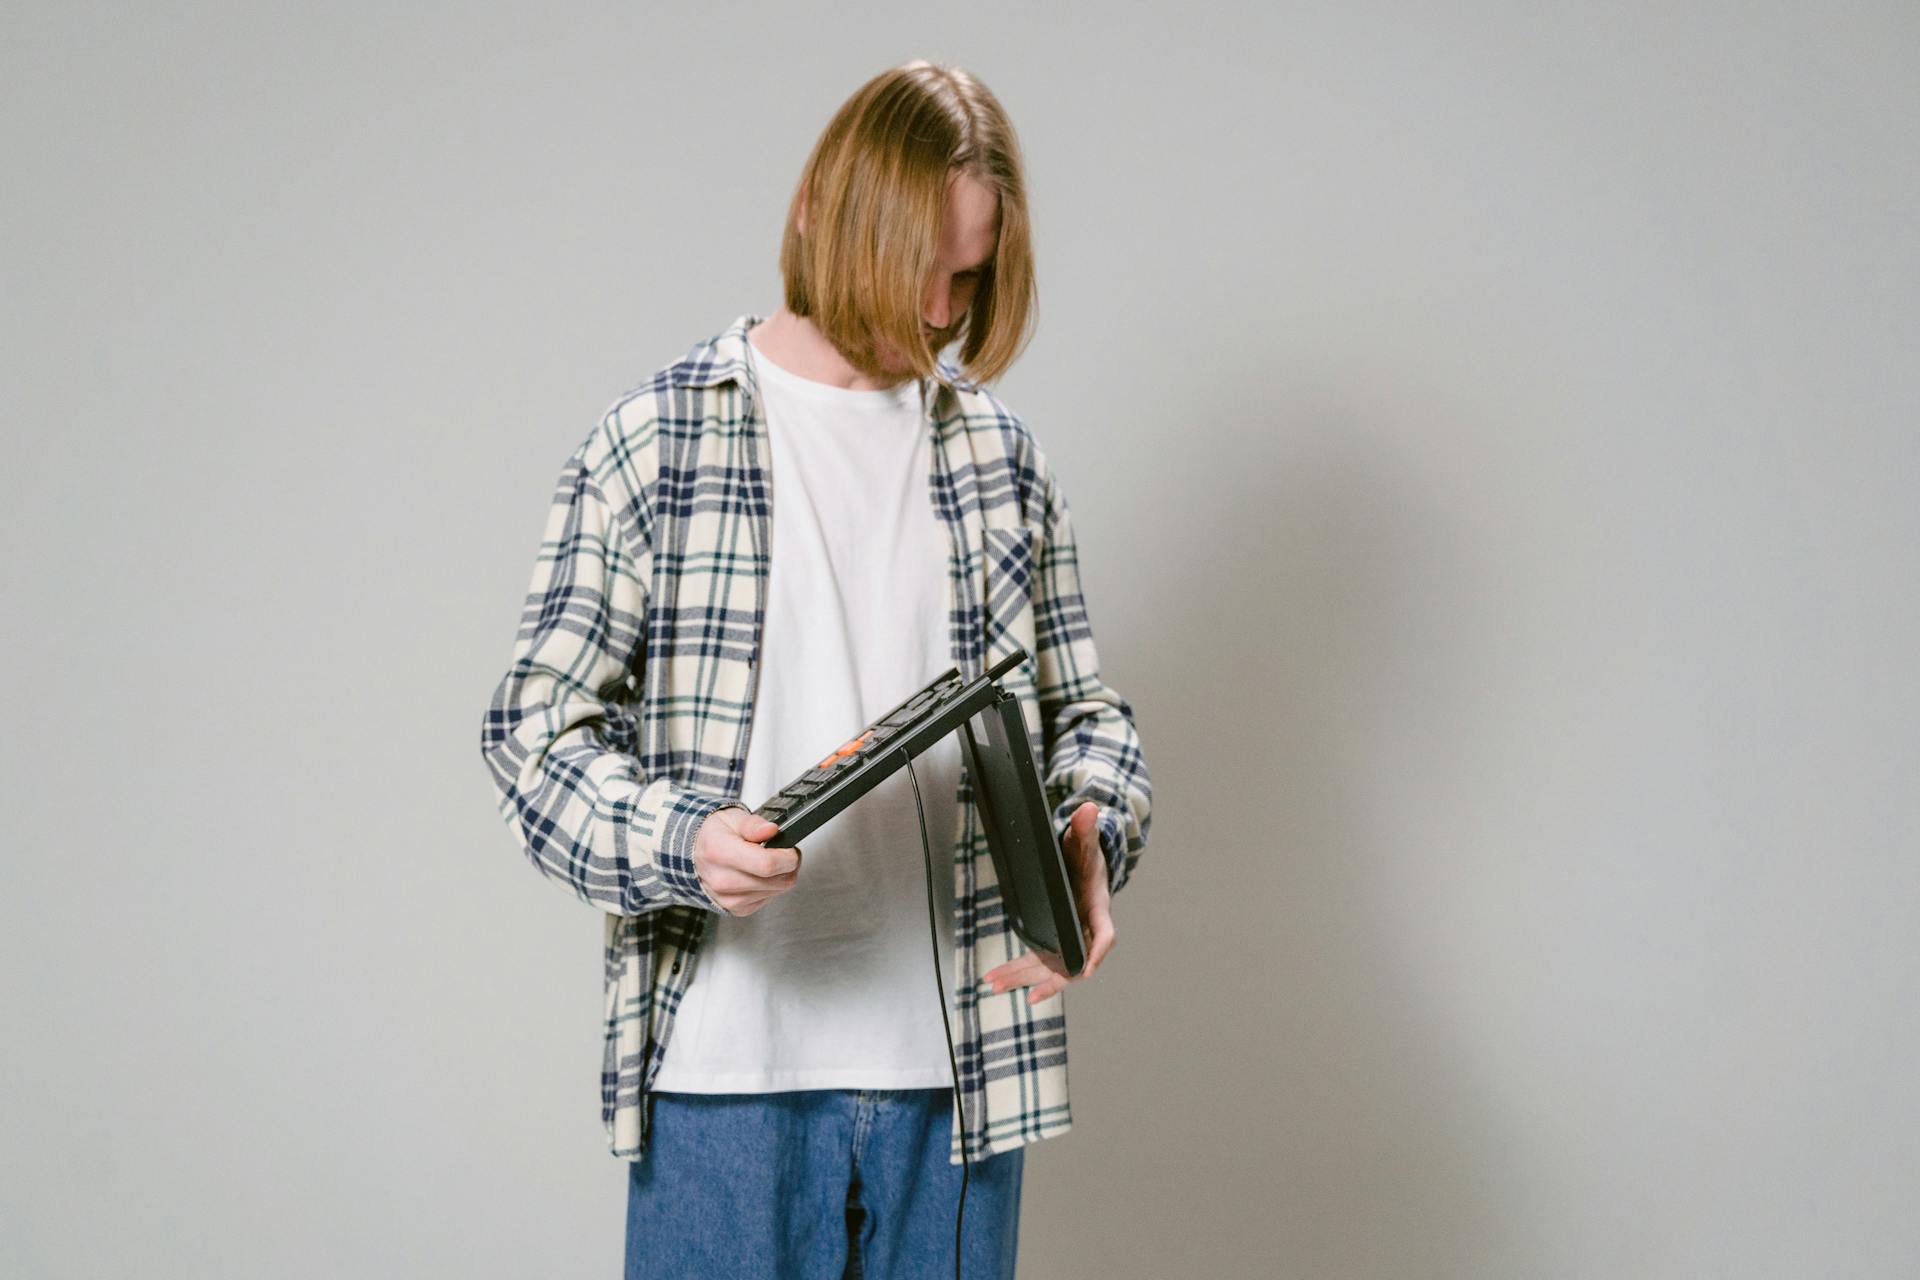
(933, 925)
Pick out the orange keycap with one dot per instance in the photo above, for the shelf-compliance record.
(847, 748)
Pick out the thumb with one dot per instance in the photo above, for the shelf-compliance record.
(756, 828)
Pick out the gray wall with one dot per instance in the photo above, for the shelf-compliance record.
(1492, 437)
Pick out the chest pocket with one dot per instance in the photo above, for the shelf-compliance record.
(1009, 555)
(1011, 583)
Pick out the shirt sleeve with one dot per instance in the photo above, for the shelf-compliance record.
(558, 738)
(1093, 747)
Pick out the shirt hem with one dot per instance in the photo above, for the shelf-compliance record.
(785, 1081)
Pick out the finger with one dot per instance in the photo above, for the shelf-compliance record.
(1027, 964)
(1018, 972)
(744, 902)
(748, 903)
(1047, 989)
(1100, 934)
(743, 822)
(1102, 944)
(756, 828)
(764, 861)
(757, 861)
(1013, 973)
(724, 879)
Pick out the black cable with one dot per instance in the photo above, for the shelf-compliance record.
(933, 924)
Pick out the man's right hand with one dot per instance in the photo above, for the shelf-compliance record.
(739, 872)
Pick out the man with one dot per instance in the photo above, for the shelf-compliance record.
(690, 644)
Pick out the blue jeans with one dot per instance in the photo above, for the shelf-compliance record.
(827, 1183)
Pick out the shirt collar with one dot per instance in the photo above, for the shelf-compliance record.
(723, 358)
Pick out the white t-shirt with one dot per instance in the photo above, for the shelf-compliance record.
(830, 985)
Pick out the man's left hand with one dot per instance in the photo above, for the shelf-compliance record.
(1088, 867)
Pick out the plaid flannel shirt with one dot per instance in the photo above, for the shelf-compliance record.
(622, 720)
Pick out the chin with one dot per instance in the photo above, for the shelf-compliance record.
(891, 360)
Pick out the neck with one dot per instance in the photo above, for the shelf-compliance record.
(793, 343)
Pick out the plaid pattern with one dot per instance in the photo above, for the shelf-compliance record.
(622, 720)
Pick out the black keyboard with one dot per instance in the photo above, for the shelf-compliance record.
(863, 761)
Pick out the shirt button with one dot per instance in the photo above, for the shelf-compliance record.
(676, 966)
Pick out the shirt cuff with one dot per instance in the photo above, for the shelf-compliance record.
(679, 826)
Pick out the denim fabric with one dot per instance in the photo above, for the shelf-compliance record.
(815, 1183)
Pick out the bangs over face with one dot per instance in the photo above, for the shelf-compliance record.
(874, 194)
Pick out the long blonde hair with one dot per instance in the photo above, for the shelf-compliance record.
(874, 192)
